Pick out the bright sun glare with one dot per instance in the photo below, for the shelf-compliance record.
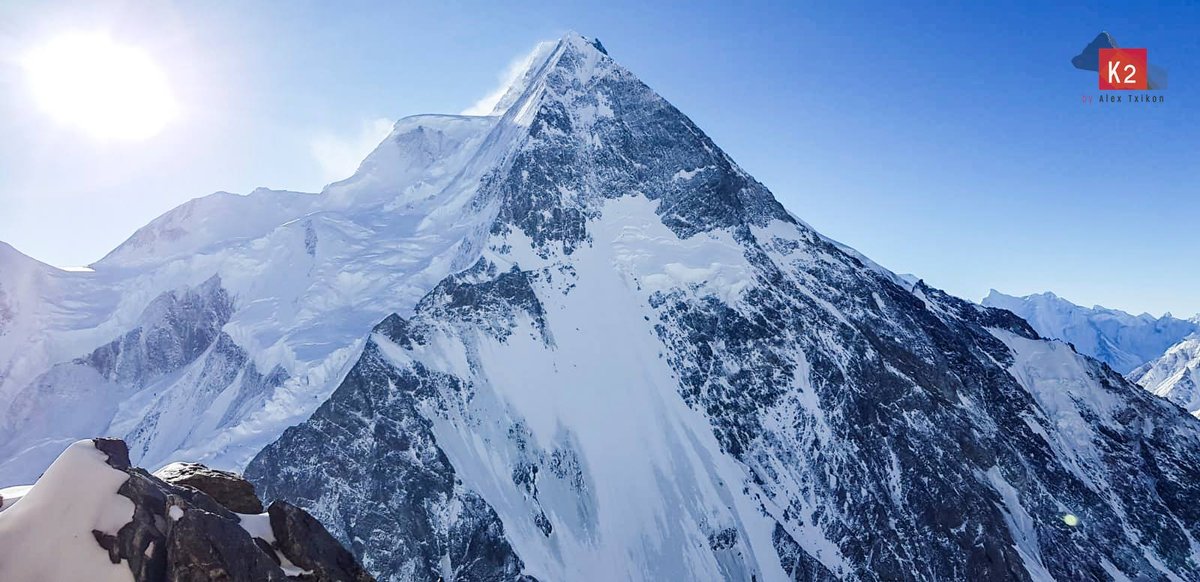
(107, 89)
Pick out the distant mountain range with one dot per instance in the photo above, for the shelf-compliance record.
(1162, 354)
(1175, 375)
(574, 340)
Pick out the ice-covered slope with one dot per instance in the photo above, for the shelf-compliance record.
(296, 280)
(207, 224)
(1175, 375)
(574, 340)
(24, 283)
(1114, 337)
(654, 372)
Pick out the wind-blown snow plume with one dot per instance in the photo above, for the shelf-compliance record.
(338, 156)
(494, 103)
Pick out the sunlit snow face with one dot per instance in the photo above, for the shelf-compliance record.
(107, 89)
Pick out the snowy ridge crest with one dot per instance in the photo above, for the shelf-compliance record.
(576, 340)
(1114, 337)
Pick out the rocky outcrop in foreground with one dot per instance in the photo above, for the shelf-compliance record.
(184, 523)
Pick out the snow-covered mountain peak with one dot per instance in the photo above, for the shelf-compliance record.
(606, 351)
(574, 62)
(1176, 375)
(583, 43)
(426, 153)
(586, 130)
(1122, 340)
(305, 277)
(535, 63)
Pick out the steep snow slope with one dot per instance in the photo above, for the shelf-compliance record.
(1114, 337)
(24, 283)
(653, 371)
(570, 405)
(600, 350)
(1175, 375)
(300, 278)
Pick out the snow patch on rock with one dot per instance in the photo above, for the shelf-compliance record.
(47, 535)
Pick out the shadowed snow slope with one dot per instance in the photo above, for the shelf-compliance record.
(574, 340)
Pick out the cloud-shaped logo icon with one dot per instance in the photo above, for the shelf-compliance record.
(1089, 60)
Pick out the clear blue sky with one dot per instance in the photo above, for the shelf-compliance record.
(946, 141)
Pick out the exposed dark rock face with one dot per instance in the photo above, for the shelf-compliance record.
(305, 542)
(199, 549)
(178, 328)
(181, 533)
(116, 450)
(555, 181)
(797, 563)
(224, 366)
(410, 518)
(888, 432)
(226, 488)
(179, 334)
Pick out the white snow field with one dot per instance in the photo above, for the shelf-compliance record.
(614, 356)
(46, 533)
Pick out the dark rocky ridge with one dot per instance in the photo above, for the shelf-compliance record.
(411, 512)
(907, 455)
(180, 327)
(181, 533)
(639, 153)
(228, 489)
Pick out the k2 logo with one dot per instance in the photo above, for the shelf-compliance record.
(1123, 69)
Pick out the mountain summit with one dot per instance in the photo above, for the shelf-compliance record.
(574, 340)
(653, 371)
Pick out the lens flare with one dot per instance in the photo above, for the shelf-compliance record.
(107, 89)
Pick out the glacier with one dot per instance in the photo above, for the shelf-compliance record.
(572, 339)
(304, 275)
